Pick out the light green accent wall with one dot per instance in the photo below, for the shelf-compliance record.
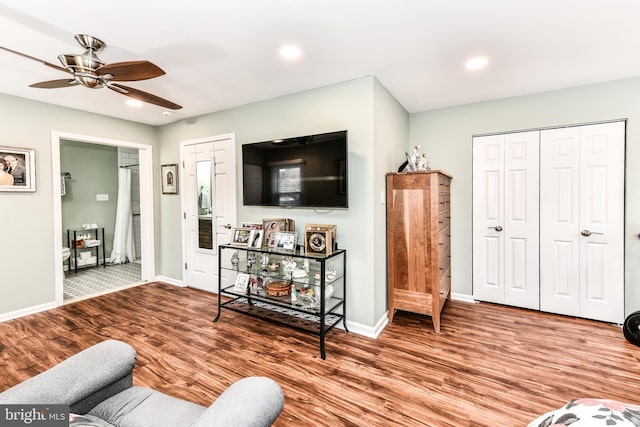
(94, 170)
(391, 135)
(348, 105)
(28, 262)
(446, 136)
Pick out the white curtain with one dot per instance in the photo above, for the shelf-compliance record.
(123, 245)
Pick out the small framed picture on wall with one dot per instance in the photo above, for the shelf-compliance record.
(169, 178)
(17, 169)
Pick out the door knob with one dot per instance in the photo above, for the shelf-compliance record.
(497, 228)
(228, 226)
(587, 233)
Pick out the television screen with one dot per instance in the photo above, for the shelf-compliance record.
(305, 171)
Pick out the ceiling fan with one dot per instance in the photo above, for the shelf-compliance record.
(89, 71)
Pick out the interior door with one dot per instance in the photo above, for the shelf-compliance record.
(521, 219)
(209, 207)
(582, 221)
(488, 218)
(560, 221)
(505, 219)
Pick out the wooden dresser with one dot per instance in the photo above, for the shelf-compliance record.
(418, 243)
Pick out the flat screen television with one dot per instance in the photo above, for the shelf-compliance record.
(306, 171)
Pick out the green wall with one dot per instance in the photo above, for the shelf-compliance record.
(94, 170)
(28, 263)
(349, 105)
(446, 136)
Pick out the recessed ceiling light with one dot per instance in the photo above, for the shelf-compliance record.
(134, 103)
(477, 63)
(290, 52)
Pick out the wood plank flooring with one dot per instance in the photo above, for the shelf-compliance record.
(490, 366)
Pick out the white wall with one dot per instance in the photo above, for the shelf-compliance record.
(446, 135)
(26, 219)
(348, 105)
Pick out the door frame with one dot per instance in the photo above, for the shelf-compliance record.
(145, 157)
(183, 195)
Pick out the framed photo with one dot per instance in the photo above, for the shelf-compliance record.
(17, 169)
(252, 225)
(270, 227)
(240, 236)
(242, 282)
(255, 239)
(169, 178)
(284, 241)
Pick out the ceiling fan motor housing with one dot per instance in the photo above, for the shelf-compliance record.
(84, 66)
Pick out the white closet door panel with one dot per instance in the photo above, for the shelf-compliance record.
(559, 221)
(521, 223)
(602, 220)
(488, 211)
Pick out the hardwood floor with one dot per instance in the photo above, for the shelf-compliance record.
(490, 365)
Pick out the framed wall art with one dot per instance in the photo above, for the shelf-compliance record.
(17, 169)
(169, 178)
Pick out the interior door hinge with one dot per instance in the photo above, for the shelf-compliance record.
(185, 265)
(184, 215)
(183, 166)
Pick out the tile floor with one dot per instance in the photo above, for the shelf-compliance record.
(95, 281)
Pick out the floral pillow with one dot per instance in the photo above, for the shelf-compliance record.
(591, 412)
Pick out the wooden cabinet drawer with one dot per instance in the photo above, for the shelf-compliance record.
(444, 286)
(444, 219)
(444, 202)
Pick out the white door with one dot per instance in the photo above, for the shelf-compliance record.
(505, 219)
(488, 218)
(209, 206)
(582, 221)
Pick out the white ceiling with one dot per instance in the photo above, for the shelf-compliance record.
(220, 54)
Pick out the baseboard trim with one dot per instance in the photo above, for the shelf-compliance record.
(27, 311)
(170, 281)
(369, 331)
(463, 297)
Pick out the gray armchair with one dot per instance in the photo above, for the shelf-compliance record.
(97, 383)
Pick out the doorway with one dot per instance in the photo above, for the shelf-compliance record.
(146, 265)
(208, 197)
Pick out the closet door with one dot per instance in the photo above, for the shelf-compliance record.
(505, 219)
(582, 221)
(488, 218)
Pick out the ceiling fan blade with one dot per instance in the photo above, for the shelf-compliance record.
(143, 96)
(54, 84)
(24, 55)
(130, 71)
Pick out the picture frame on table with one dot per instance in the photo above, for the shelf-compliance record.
(242, 282)
(169, 178)
(284, 241)
(18, 169)
(270, 227)
(255, 238)
(240, 236)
